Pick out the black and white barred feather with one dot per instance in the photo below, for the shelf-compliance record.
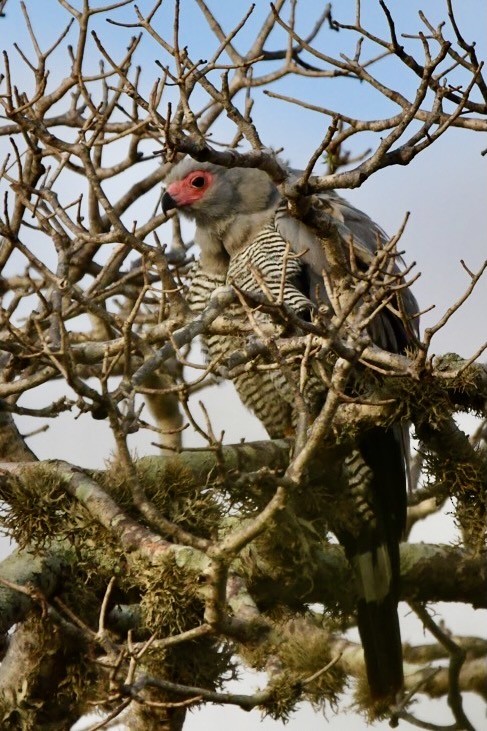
(259, 389)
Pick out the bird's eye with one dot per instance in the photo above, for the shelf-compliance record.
(198, 182)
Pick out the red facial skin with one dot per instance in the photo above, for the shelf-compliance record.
(189, 190)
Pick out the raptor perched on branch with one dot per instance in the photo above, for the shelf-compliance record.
(248, 238)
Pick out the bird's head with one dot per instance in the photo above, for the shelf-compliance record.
(187, 185)
(208, 193)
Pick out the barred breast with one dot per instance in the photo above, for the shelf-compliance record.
(266, 267)
(269, 267)
(257, 389)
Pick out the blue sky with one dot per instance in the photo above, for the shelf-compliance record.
(444, 188)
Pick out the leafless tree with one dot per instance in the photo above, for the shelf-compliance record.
(140, 589)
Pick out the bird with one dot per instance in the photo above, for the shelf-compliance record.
(247, 237)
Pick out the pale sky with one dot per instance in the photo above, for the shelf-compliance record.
(444, 189)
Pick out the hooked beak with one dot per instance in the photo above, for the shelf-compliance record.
(168, 203)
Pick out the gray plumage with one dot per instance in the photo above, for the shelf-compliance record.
(248, 238)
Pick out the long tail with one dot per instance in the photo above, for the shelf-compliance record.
(377, 478)
(378, 626)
